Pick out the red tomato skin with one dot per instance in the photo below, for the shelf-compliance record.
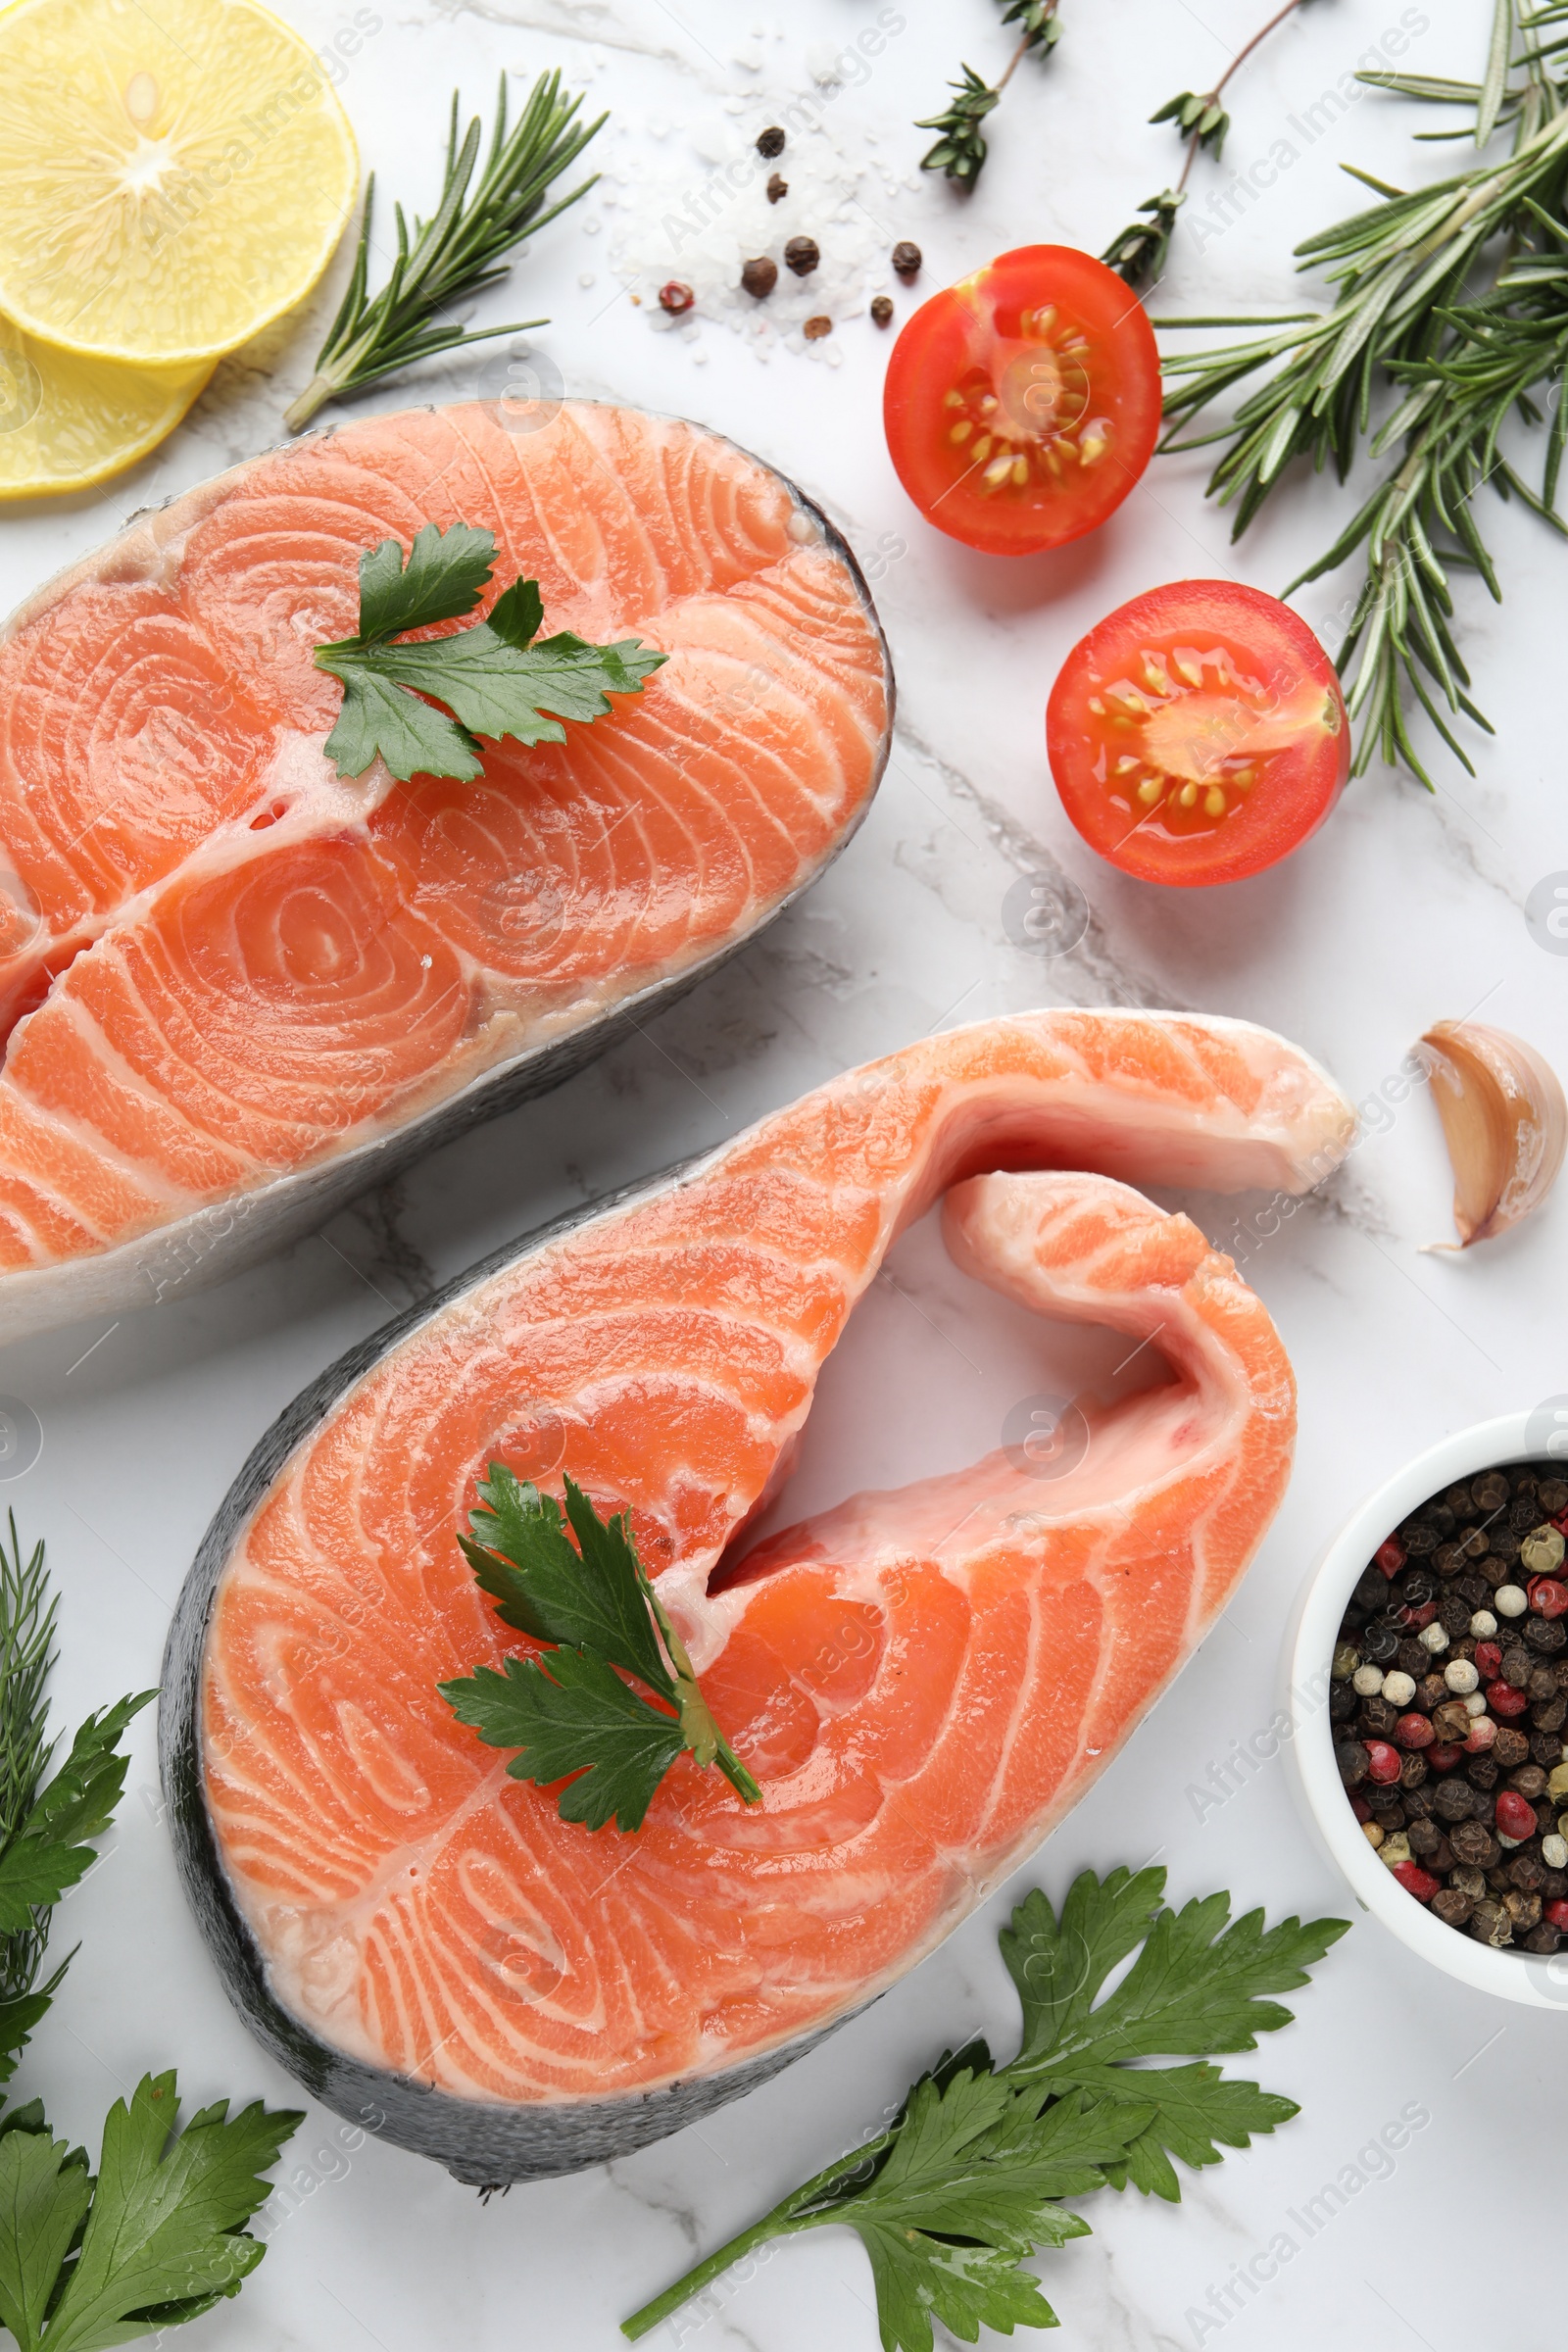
(1274, 823)
(931, 348)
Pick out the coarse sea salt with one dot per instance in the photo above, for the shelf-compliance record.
(698, 215)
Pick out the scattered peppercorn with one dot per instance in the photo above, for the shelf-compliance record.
(815, 328)
(1448, 1702)
(771, 142)
(760, 276)
(675, 297)
(906, 258)
(803, 254)
(882, 310)
(777, 188)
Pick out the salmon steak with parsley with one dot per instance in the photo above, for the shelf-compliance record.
(922, 1683)
(237, 986)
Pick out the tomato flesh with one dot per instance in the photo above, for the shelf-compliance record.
(1022, 405)
(1199, 734)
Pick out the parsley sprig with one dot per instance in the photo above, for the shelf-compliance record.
(969, 2179)
(493, 677)
(570, 1711)
(156, 2236)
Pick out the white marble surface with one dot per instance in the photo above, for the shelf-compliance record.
(1404, 909)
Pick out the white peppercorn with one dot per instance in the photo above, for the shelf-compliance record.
(1399, 1689)
(1433, 1636)
(1511, 1600)
(1554, 1851)
(1482, 1625)
(1475, 1702)
(1367, 1681)
(1461, 1677)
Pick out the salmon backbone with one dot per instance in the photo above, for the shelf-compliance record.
(238, 989)
(923, 1682)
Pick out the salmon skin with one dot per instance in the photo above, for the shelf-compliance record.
(235, 990)
(924, 1681)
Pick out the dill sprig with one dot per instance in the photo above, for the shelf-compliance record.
(27, 1655)
(961, 149)
(1408, 318)
(458, 252)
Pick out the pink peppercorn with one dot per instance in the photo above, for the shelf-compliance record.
(674, 296)
(1504, 1699)
(1390, 1556)
(1360, 1808)
(1489, 1657)
(1548, 1597)
(1443, 1755)
(1383, 1761)
(1483, 1732)
(1416, 1881)
(1423, 1615)
(1414, 1731)
(1557, 1913)
(1515, 1818)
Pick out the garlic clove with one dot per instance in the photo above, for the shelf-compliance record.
(1504, 1120)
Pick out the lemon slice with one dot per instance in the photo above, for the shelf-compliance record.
(170, 179)
(67, 423)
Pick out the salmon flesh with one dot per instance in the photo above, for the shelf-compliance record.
(236, 989)
(924, 1681)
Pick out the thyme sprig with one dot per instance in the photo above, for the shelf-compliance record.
(1139, 254)
(961, 149)
(1410, 318)
(461, 249)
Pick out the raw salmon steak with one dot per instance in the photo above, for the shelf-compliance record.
(234, 988)
(924, 1681)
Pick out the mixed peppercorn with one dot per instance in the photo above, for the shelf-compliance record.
(1449, 1697)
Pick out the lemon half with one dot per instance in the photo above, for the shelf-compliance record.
(67, 423)
(172, 176)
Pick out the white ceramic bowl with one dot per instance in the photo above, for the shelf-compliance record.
(1536, 1980)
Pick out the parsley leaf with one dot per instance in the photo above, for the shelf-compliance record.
(494, 678)
(569, 1712)
(50, 1850)
(155, 2239)
(968, 2180)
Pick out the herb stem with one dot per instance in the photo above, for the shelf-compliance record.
(1195, 141)
(801, 2209)
(1014, 63)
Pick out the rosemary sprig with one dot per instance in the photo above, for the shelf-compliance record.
(458, 252)
(27, 1655)
(1408, 317)
(1140, 252)
(961, 149)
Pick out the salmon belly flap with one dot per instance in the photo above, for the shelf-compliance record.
(220, 963)
(923, 1682)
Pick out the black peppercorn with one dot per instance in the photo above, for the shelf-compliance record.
(1516, 1667)
(1424, 1835)
(1416, 1588)
(1473, 1841)
(1458, 1501)
(1545, 1632)
(1451, 1906)
(1418, 1538)
(760, 276)
(1482, 1774)
(1523, 1513)
(1527, 1872)
(906, 258)
(1372, 1590)
(1354, 1762)
(1473, 1588)
(803, 254)
(1453, 1615)
(1491, 1490)
(1412, 1768)
(1541, 1938)
(1530, 1781)
(771, 142)
(1473, 1542)
(1547, 1748)
(1554, 1885)
(1542, 1684)
(1553, 1497)
(777, 188)
(1342, 1702)
(1440, 1859)
(1379, 1644)
(1413, 1659)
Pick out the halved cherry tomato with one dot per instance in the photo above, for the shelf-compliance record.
(1023, 403)
(1199, 733)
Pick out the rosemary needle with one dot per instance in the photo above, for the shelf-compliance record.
(459, 251)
